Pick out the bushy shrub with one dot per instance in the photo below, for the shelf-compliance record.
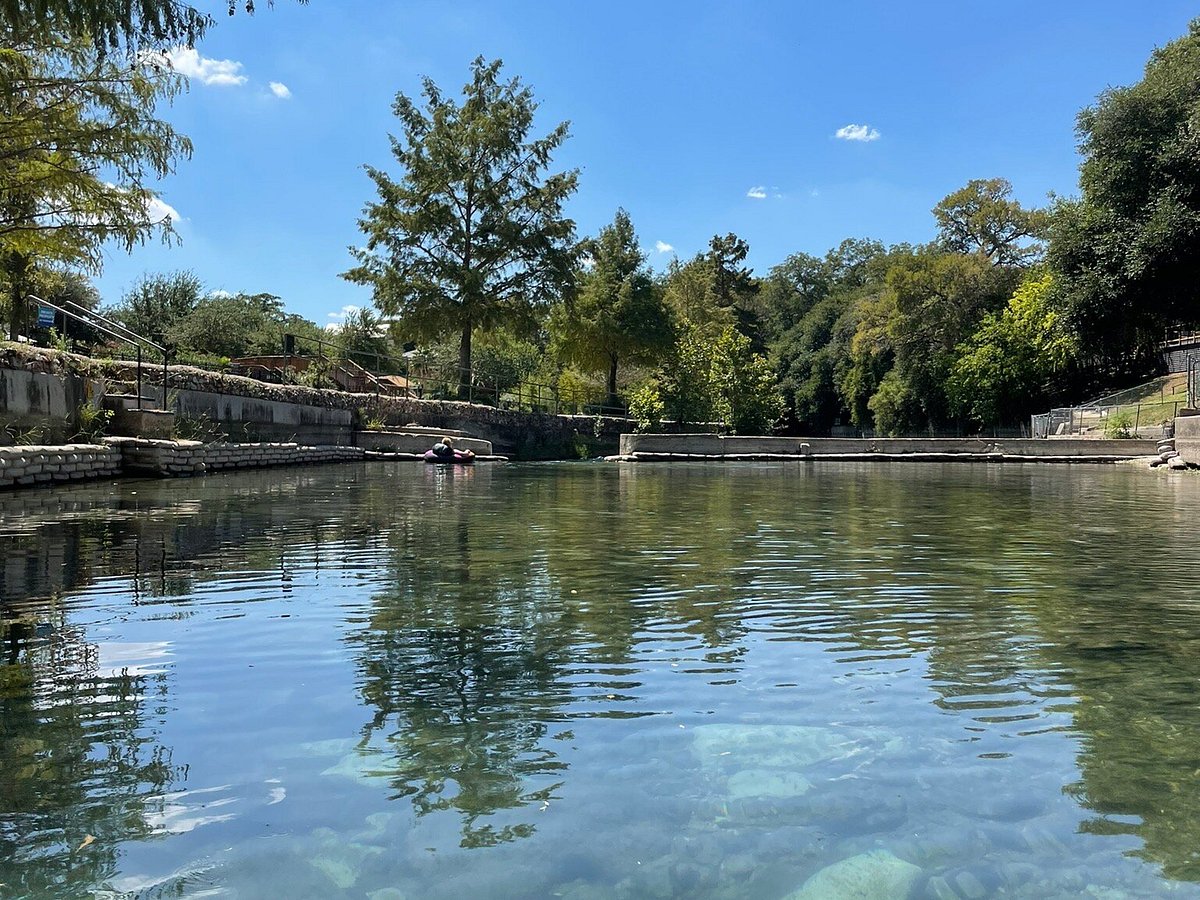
(1119, 426)
(646, 406)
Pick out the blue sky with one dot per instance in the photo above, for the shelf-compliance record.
(698, 118)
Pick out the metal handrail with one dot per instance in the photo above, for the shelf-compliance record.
(115, 330)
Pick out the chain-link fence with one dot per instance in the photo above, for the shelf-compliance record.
(1145, 411)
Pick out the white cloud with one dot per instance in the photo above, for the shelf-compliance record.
(857, 133)
(758, 192)
(337, 319)
(220, 294)
(280, 90)
(218, 72)
(160, 211)
(662, 247)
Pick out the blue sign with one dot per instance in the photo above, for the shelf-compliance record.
(45, 317)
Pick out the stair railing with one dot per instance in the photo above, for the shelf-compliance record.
(115, 330)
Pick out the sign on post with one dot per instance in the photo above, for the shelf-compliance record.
(45, 317)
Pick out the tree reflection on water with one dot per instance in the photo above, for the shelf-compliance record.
(80, 769)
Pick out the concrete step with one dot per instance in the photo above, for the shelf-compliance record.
(426, 429)
(418, 441)
(128, 401)
(143, 423)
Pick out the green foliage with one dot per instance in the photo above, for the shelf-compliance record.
(503, 361)
(895, 406)
(25, 437)
(618, 313)
(939, 300)
(80, 145)
(472, 235)
(362, 339)
(1126, 249)
(157, 303)
(714, 289)
(316, 374)
(646, 406)
(1119, 426)
(373, 422)
(107, 24)
(706, 380)
(576, 392)
(743, 386)
(1002, 370)
(57, 342)
(228, 326)
(127, 25)
(981, 218)
(197, 428)
(811, 311)
(93, 422)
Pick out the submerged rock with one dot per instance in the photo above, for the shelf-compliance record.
(739, 747)
(361, 767)
(340, 872)
(878, 875)
(767, 783)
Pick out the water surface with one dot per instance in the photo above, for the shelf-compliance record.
(585, 680)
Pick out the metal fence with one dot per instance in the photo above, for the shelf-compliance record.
(1146, 420)
(388, 376)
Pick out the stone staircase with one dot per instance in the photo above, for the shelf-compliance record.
(134, 415)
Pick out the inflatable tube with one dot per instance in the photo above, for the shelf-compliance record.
(459, 458)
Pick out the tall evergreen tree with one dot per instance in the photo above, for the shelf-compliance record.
(618, 313)
(472, 236)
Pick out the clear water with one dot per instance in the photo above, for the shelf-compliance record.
(587, 680)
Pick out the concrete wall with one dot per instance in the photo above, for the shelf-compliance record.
(718, 445)
(1187, 438)
(29, 465)
(261, 419)
(37, 400)
(407, 442)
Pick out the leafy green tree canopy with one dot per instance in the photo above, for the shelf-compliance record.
(79, 144)
(1126, 250)
(712, 377)
(472, 235)
(112, 24)
(156, 303)
(1002, 370)
(618, 312)
(981, 217)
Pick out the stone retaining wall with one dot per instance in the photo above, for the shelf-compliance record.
(173, 458)
(528, 435)
(22, 466)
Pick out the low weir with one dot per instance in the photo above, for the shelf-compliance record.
(708, 446)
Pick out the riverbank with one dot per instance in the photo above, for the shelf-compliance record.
(42, 392)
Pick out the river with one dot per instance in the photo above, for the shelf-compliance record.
(590, 680)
